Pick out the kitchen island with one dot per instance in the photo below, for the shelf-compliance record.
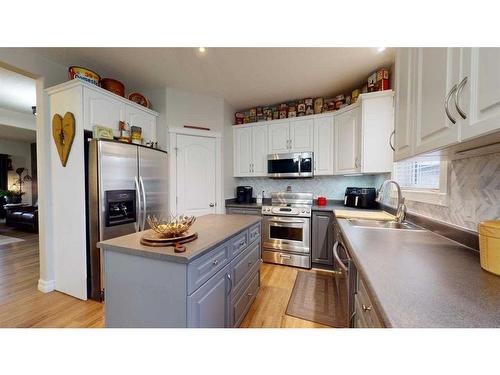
(212, 284)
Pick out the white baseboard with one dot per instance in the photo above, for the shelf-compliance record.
(46, 286)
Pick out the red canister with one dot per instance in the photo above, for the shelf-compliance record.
(321, 201)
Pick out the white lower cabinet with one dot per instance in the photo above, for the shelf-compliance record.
(250, 150)
(323, 145)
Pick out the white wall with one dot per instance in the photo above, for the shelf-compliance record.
(47, 74)
(229, 182)
(20, 153)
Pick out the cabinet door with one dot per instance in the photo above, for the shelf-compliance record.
(102, 110)
(208, 307)
(404, 86)
(347, 142)
(242, 151)
(322, 238)
(480, 95)
(279, 136)
(259, 150)
(137, 117)
(323, 146)
(437, 73)
(301, 135)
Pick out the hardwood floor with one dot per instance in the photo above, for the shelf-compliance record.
(22, 305)
(268, 310)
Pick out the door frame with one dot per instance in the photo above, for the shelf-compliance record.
(172, 148)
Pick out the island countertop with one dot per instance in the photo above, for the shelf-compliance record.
(212, 230)
(420, 279)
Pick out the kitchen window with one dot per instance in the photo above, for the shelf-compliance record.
(423, 179)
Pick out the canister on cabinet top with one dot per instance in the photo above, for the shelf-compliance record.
(489, 245)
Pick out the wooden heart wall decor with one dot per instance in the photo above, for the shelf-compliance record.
(63, 132)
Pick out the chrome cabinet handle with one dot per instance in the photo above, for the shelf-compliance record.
(366, 308)
(230, 283)
(390, 140)
(215, 262)
(139, 205)
(457, 97)
(446, 103)
(249, 294)
(211, 205)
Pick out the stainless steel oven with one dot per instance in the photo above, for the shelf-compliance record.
(286, 229)
(291, 165)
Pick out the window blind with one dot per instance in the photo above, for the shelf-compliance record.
(418, 173)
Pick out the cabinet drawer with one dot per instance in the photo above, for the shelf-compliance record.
(244, 263)
(365, 309)
(254, 232)
(208, 265)
(238, 243)
(244, 300)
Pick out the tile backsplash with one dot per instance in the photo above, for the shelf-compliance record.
(474, 193)
(332, 187)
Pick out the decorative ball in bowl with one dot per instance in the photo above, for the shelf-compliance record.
(174, 226)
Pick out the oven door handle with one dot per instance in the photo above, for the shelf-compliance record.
(336, 256)
(291, 221)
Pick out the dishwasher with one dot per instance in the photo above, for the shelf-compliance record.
(344, 266)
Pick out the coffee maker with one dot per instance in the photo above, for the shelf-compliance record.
(244, 194)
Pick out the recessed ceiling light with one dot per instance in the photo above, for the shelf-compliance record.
(381, 49)
(202, 49)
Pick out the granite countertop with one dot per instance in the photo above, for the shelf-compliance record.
(212, 230)
(420, 279)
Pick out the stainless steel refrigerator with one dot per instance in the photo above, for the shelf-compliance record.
(126, 183)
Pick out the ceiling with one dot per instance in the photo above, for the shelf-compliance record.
(245, 77)
(17, 92)
(17, 134)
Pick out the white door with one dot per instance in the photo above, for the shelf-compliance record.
(102, 110)
(437, 73)
(242, 138)
(279, 137)
(195, 175)
(404, 86)
(479, 97)
(347, 142)
(137, 117)
(301, 135)
(323, 145)
(259, 150)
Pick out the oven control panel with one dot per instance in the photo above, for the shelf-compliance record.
(286, 211)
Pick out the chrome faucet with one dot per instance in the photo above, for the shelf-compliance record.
(401, 210)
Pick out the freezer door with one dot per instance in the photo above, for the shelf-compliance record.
(153, 180)
(118, 189)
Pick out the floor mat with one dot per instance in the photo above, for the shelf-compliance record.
(319, 297)
(5, 240)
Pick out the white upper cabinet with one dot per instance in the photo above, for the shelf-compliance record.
(250, 150)
(137, 117)
(259, 150)
(242, 138)
(437, 75)
(323, 145)
(279, 137)
(294, 135)
(478, 92)
(301, 135)
(404, 83)
(347, 141)
(100, 109)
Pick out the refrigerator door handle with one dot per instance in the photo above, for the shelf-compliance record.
(137, 223)
(144, 204)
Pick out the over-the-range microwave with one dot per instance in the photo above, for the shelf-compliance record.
(291, 165)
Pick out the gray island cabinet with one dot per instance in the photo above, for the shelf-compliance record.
(212, 284)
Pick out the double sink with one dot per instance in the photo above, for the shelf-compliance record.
(381, 224)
